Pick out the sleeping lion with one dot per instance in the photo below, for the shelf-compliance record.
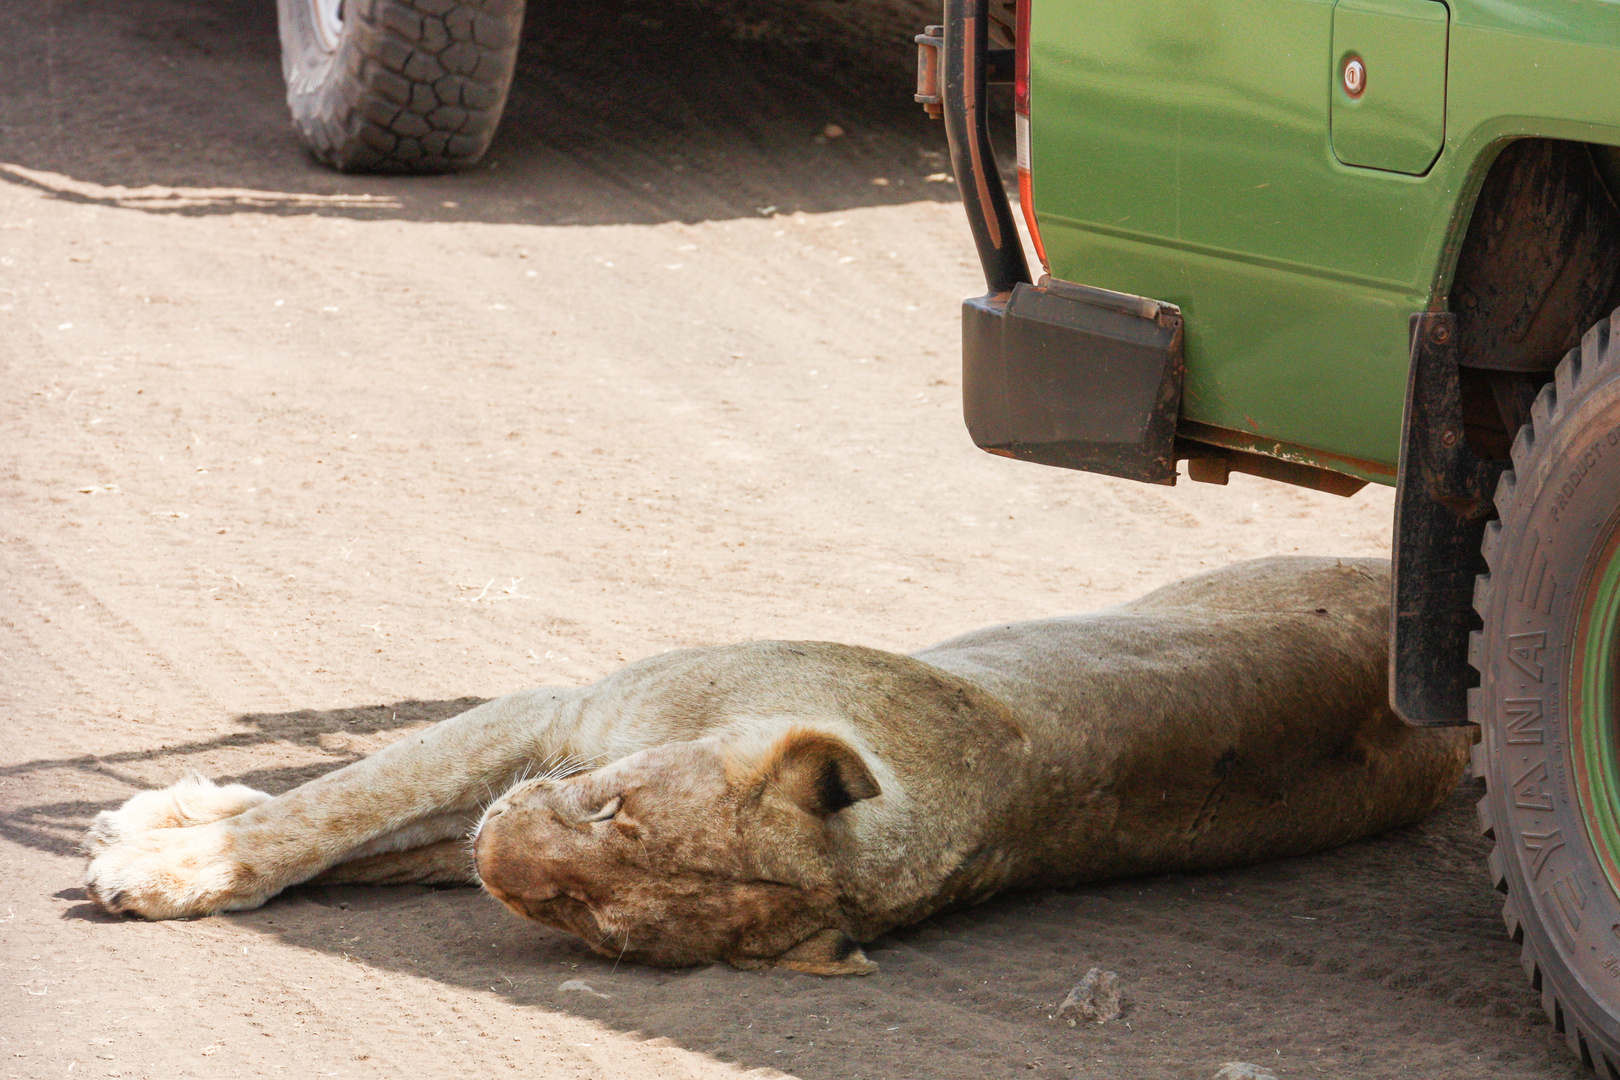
(780, 802)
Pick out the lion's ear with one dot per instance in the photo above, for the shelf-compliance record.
(829, 952)
(818, 773)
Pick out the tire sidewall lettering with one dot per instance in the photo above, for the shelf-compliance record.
(1550, 535)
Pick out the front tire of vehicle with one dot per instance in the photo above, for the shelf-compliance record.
(405, 86)
(1548, 704)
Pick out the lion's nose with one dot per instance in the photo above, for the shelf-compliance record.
(509, 864)
(491, 812)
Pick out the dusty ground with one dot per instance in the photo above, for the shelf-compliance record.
(294, 463)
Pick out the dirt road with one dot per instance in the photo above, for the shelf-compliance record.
(294, 463)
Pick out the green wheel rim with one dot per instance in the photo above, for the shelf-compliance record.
(1592, 712)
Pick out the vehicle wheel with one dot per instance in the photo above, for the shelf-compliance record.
(398, 85)
(1547, 706)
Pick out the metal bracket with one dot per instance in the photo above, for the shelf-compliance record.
(998, 68)
(930, 43)
(1444, 499)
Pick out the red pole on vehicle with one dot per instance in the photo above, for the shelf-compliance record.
(1026, 194)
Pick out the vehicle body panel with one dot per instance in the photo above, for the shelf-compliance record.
(1184, 151)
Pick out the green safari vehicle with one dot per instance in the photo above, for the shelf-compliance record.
(1333, 242)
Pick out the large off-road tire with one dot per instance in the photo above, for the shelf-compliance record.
(398, 85)
(1549, 665)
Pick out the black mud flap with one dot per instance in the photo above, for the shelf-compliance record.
(1076, 377)
(1443, 499)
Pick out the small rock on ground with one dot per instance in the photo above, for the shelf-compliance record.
(582, 987)
(1242, 1070)
(1095, 997)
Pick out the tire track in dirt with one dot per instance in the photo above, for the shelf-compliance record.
(46, 601)
(213, 657)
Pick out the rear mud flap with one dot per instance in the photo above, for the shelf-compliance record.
(1076, 377)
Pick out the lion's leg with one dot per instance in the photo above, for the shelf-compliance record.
(423, 789)
(447, 862)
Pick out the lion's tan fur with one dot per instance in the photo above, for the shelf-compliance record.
(773, 802)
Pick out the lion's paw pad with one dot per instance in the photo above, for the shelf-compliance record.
(164, 854)
(171, 873)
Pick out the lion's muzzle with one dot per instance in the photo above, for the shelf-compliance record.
(528, 856)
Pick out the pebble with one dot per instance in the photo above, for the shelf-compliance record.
(583, 987)
(1095, 997)
(1242, 1070)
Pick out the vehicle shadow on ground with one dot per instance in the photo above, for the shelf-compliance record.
(1212, 963)
(628, 111)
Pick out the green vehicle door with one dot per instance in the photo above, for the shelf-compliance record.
(1209, 154)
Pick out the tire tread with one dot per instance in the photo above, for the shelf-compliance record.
(416, 86)
(1592, 358)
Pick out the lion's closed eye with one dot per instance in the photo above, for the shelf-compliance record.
(609, 810)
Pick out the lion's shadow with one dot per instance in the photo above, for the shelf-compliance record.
(1407, 914)
(55, 825)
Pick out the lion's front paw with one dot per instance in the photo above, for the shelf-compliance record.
(173, 873)
(194, 800)
(167, 854)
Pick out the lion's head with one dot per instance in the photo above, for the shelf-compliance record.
(688, 853)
